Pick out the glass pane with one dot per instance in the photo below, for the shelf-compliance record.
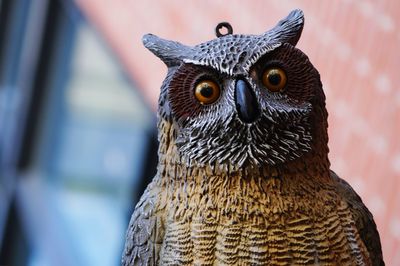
(91, 152)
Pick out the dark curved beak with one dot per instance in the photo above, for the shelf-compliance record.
(246, 102)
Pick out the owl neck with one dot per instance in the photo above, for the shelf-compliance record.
(315, 163)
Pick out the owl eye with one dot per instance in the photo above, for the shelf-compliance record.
(207, 91)
(274, 79)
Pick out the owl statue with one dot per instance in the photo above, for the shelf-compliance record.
(243, 176)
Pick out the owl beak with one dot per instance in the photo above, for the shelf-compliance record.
(246, 102)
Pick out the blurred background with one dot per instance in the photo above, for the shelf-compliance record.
(78, 96)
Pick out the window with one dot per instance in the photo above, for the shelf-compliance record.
(85, 143)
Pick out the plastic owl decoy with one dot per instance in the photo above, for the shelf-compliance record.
(243, 176)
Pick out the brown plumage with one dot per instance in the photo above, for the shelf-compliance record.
(246, 186)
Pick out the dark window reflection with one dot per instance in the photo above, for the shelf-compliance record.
(84, 135)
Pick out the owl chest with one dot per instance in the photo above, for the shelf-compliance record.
(240, 227)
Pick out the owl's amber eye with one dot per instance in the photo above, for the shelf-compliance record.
(274, 79)
(207, 92)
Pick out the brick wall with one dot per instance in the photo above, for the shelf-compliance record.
(354, 45)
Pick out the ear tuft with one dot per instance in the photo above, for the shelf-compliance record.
(289, 29)
(170, 52)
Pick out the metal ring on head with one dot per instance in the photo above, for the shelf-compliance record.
(221, 25)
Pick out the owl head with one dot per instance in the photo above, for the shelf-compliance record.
(243, 100)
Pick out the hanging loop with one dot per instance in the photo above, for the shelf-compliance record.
(221, 25)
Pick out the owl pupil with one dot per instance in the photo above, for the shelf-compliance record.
(274, 79)
(206, 91)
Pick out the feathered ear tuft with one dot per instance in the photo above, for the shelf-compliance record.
(289, 29)
(170, 52)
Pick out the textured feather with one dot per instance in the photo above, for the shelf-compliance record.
(363, 219)
(231, 221)
(146, 229)
(200, 216)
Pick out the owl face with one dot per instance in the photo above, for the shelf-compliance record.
(240, 100)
